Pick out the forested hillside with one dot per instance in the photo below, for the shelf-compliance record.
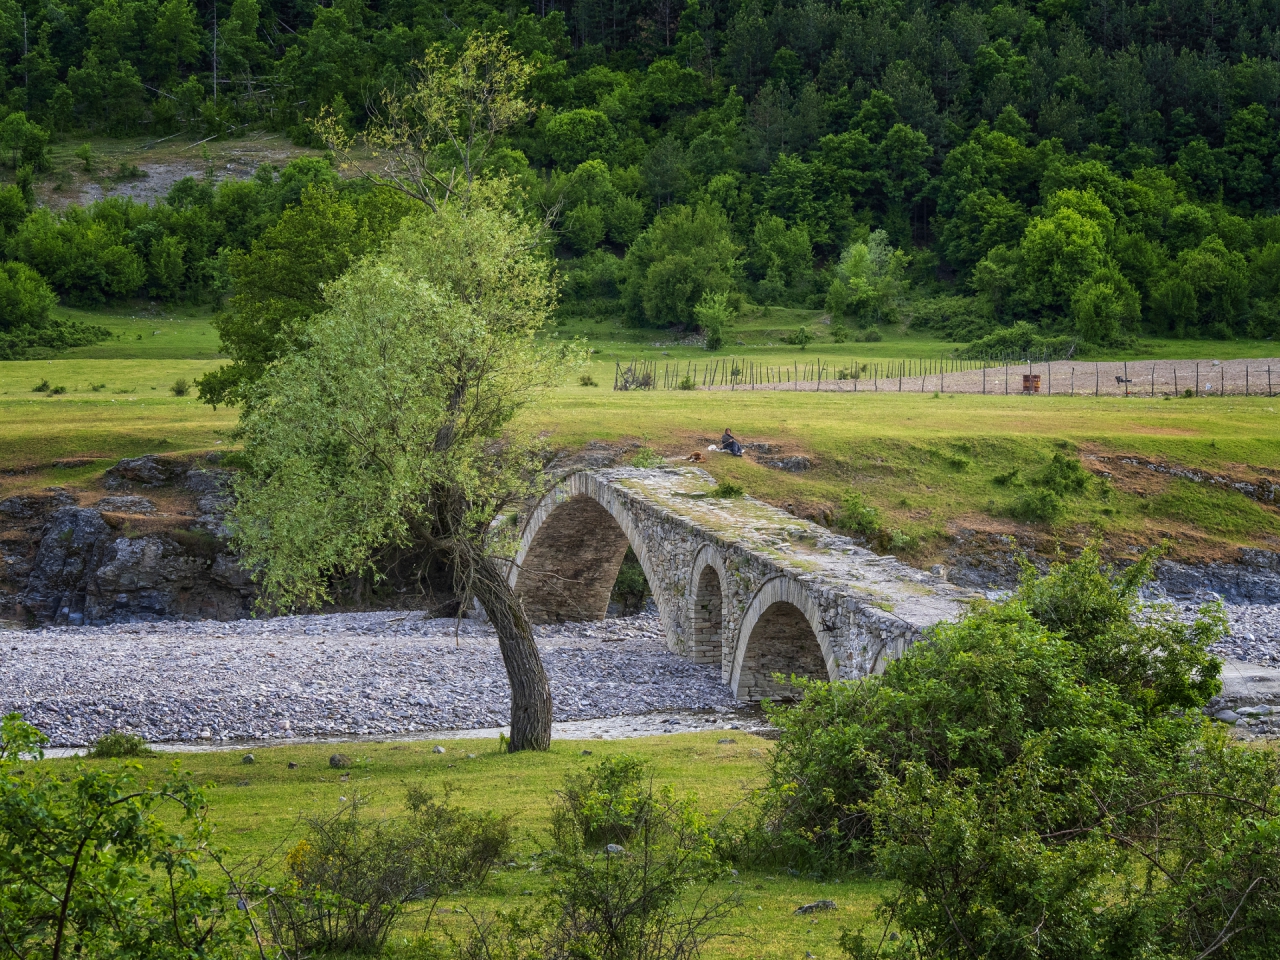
(1097, 169)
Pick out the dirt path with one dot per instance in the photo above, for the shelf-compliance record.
(1147, 378)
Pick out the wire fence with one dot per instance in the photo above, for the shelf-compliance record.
(991, 377)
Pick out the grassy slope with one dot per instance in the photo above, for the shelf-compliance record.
(756, 335)
(906, 452)
(258, 808)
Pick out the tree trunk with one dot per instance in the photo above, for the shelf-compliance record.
(530, 692)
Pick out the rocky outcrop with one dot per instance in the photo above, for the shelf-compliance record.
(122, 559)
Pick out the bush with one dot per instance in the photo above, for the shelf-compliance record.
(587, 380)
(870, 335)
(117, 744)
(800, 337)
(97, 864)
(41, 387)
(351, 878)
(608, 801)
(687, 383)
(57, 391)
(1020, 341)
(1038, 506)
(857, 515)
(646, 459)
(1037, 773)
(727, 490)
(652, 899)
(1064, 475)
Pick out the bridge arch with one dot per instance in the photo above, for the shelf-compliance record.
(711, 612)
(571, 550)
(782, 633)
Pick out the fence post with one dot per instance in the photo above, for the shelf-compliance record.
(1246, 379)
(1197, 378)
(1126, 378)
(1153, 378)
(1096, 379)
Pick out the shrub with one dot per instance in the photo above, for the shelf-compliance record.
(118, 744)
(57, 391)
(352, 877)
(1038, 506)
(800, 337)
(84, 153)
(1064, 475)
(587, 380)
(41, 387)
(870, 335)
(646, 459)
(857, 515)
(608, 801)
(99, 864)
(180, 387)
(687, 383)
(726, 490)
(1037, 774)
(652, 899)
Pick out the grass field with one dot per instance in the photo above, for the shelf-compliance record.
(259, 811)
(930, 465)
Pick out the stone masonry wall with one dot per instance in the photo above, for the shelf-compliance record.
(861, 609)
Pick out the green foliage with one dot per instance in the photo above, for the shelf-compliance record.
(586, 380)
(1038, 506)
(1019, 341)
(118, 744)
(180, 387)
(713, 315)
(631, 586)
(99, 864)
(391, 420)
(857, 515)
(351, 878)
(800, 337)
(727, 490)
(646, 458)
(279, 281)
(1037, 770)
(684, 255)
(609, 800)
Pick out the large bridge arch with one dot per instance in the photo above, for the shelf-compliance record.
(781, 632)
(571, 550)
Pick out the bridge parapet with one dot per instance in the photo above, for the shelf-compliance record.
(736, 581)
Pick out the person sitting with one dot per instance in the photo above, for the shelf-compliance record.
(730, 443)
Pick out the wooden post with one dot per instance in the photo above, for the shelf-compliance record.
(1073, 381)
(1175, 379)
(984, 379)
(1050, 365)
(1246, 379)
(1153, 378)
(1097, 382)
(1126, 378)
(1197, 378)
(1222, 379)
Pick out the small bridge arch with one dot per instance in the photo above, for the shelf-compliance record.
(737, 582)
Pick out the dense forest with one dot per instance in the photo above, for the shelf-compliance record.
(1097, 169)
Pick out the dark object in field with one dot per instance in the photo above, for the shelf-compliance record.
(730, 443)
(1031, 383)
(816, 906)
(338, 761)
(293, 765)
(248, 758)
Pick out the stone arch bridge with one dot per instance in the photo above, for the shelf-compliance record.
(737, 582)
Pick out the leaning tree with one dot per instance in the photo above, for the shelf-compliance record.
(396, 426)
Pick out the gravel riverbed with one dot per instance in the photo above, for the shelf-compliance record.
(373, 674)
(334, 675)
